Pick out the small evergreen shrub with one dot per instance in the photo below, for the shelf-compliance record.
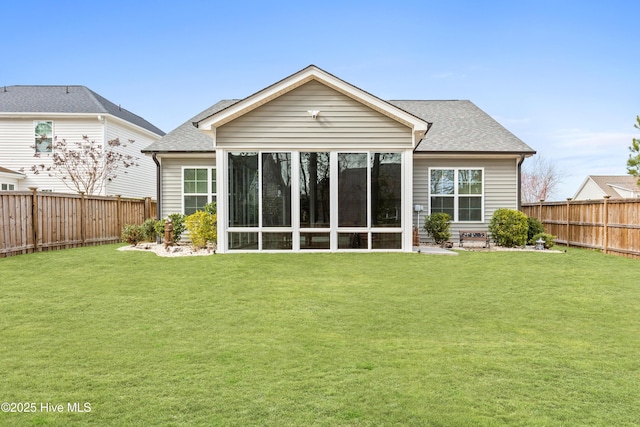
(149, 230)
(202, 228)
(535, 227)
(132, 234)
(549, 240)
(177, 220)
(159, 227)
(509, 228)
(438, 226)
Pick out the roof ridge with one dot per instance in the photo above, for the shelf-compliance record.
(99, 104)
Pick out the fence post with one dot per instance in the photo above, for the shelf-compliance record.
(540, 209)
(83, 218)
(147, 208)
(34, 217)
(119, 213)
(605, 221)
(568, 219)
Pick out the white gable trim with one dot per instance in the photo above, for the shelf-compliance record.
(12, 175)
(584, 184)
(418, 126)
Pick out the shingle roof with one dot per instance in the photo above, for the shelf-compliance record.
(186, 137)
(608, 184)
(65, 99)
(457, 127)
(460, 126)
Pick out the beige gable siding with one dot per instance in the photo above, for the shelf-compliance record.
(138, 181)
(172, 180)
(17, 147)
(500, 187)
(343, 123)
(590, 191)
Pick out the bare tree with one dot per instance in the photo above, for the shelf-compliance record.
(86, 166)
(539, 179)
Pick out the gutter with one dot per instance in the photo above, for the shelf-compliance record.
(158, 186)
(519, 183)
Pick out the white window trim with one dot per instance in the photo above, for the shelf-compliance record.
(455, 194)
(211, 171)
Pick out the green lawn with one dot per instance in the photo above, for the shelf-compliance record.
(501, 338)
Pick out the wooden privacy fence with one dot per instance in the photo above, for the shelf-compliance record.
(612, 226)
(32, 221)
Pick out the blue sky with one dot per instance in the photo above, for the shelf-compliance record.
(561, 75)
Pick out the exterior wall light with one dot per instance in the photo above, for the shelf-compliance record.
(313, 113)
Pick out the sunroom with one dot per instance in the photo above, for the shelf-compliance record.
(314, 164)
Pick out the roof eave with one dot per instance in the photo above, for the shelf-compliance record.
(463, 153)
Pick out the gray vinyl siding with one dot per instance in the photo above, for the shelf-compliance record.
(343, 123)
(172, 180)
(500, 187)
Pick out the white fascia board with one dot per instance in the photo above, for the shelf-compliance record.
(462, 155)
(98, 116)
(37, 115)
(252, 102)
(15, 175)
(621, 187)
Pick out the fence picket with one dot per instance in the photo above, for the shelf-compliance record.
(32, 220)
(611, 225)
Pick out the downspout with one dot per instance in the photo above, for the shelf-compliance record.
(519, 186)
(158, 186)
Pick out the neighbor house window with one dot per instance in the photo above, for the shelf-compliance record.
(457, 192)
(198, 187)
(43, 136)
(7, 187)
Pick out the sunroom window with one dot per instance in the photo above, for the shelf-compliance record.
(457, 192)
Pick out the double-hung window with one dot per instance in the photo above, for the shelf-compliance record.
(43, 136)
(198, 188)
(457, 192)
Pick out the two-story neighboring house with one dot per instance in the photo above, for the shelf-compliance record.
(31, 117)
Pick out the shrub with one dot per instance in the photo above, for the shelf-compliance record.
(549, 240)
(132, 234)
(535, 227)
(438, 226)
(211, 208)
(177, 220)
(202, 228)
(149, 230)
(509, 228)
(159, 227)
